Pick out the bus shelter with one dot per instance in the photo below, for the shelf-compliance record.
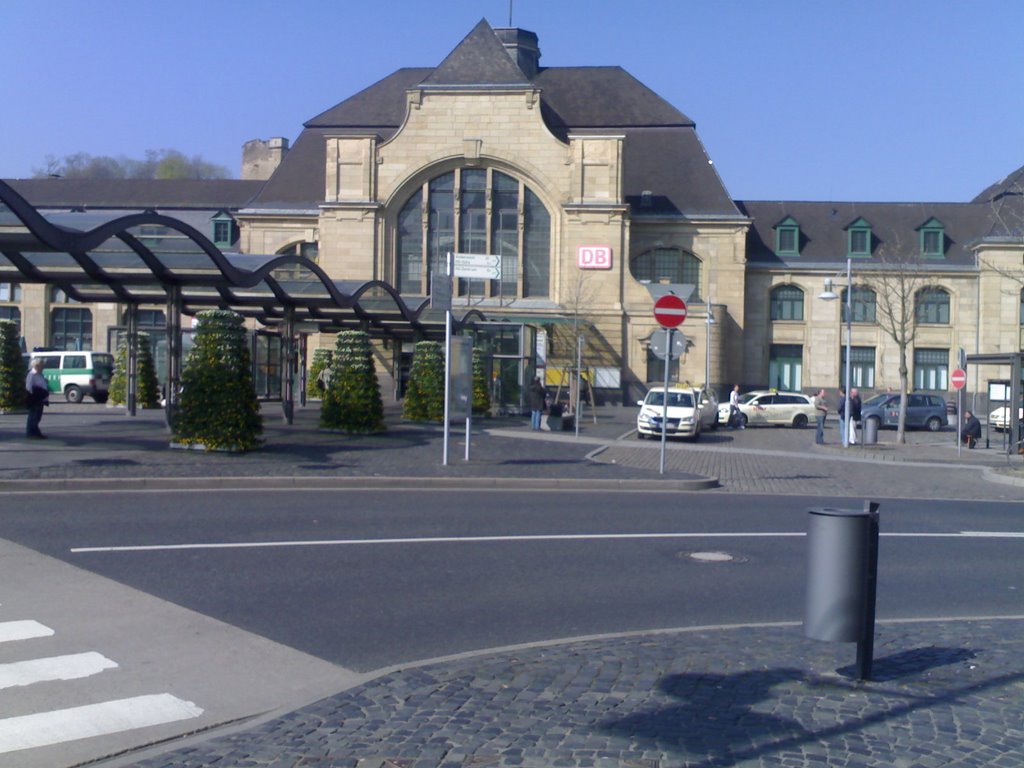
(100, 257)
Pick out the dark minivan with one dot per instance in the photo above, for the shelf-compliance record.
(923, 411)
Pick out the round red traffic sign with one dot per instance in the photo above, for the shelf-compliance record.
(670, 311)
(958, 378)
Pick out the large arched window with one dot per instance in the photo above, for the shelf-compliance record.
(475, 210)
(932, 306)
(667, 265)
(864, 305)
(309, 250)
(787, 303)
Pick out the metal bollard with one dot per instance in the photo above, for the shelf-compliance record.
(842, 576)
(870, 431)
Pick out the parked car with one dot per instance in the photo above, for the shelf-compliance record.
(691, 410)
(768, 407)
(999, 419)
(923, 411)
(76, 373)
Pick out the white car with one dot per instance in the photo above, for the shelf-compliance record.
(999, 419)
(690, 411)
(769, 407)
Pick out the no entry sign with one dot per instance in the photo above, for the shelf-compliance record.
(958, 378)
(670, 311)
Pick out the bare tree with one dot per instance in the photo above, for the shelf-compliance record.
(899, 278)
(158, 164)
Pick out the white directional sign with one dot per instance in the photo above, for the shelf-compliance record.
(480, 266)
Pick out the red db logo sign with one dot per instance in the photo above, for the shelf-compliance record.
(594, 257)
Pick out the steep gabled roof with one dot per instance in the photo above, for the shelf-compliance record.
(479, 60)
(227, 194)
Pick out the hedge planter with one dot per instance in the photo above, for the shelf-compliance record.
(424, 397)
(352, 401)
(148, 393)
(12, 369)
(218, 409)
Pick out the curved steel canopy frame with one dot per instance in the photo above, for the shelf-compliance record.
(111, 262)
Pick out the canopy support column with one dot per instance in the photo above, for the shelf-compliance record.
(173, 383)
(132, 358)
(303, 367)
(288, 347)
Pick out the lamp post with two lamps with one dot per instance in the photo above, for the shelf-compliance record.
(830, 295)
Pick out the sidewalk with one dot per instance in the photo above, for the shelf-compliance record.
(944, 692)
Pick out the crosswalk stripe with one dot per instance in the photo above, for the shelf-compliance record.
(22, 630)
(69, 667)
(46, 728)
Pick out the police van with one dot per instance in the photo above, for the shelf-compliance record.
(77, 373)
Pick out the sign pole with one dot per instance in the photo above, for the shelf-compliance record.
(664, 399)
(447, 364)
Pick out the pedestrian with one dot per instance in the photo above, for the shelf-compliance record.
(855, 404)
(538, 402)
(37, 397)
(972, 429)
(735, 418)
(821, 405)
(842, 411)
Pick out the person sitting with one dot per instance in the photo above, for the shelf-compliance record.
(972, 429)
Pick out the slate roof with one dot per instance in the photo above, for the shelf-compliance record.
(894, 229)
(663, 153)
(166, 194)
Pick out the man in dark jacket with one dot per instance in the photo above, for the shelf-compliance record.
(854, 415)
(37, 395)
(972, 429)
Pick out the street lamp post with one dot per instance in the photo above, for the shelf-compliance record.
(709, 321)
(829, 295)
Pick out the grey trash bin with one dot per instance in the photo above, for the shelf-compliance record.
(870, 431)
(842, 568)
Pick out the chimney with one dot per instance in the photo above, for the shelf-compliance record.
(522, 46)
(260, 158)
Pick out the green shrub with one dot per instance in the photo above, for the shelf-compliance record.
(321, 362)
(481, 386)
(352, 401)
(12, 369)
(218, 408)
(148, 393)
(424, 397)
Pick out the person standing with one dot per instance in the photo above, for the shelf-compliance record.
(821, 406)
(538, 400)
(854, 415)
(842, 411)
(734, 408)
(38, 396)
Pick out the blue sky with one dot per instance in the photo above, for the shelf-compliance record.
(916, 100)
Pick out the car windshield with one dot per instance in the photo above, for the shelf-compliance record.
(675, 399)
(747, 397)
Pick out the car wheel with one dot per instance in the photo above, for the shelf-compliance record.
(743, 420)
(800, 421)
(101, 399)
(73, 394)
(934, 424)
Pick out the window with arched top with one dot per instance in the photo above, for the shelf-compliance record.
(479, 211)
(932, 306)
(667, 265)
(864, 305)
(1022, 306)
(293, 272)
(787, 303)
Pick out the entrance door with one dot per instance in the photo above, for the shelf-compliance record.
(785, 367)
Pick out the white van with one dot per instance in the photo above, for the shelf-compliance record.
(76, 373)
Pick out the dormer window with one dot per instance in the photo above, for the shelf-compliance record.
(223, 230)
(787, 237)
(932, 238)
(858, 239)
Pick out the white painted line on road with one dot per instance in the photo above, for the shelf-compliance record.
(489, 539)
(22, 630)
(60, 725)
(70, 667)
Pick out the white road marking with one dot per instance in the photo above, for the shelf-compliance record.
(22, 630)
(70, 667)
(45, 728)
(510, 538)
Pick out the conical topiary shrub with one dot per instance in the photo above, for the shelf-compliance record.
(218, 409)
(12, 369)
(148, 394)
(352, 401)
(424, 397)
(481, 386)
(315, 385)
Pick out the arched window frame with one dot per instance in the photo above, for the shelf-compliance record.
(473, 210)
(864, 305)
(931, 306)
(787, 303)
(669, 265)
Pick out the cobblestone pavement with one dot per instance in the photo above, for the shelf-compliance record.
(941, 694)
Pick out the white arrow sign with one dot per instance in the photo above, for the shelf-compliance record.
(483, 266)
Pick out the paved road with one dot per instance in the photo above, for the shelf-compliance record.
(946, 692)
